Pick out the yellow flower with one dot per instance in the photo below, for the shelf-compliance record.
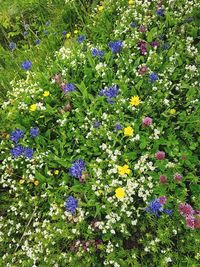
(36, 183)
(172, 111)
(68, 35)
(119, 192)
(56, 172)
(123, 170)
(130, 2)
(128, 131)
(21, 181)
(7, 136)
(100, 8)
(33, 107)
(46, 93)
(135, 101)
(76, 31)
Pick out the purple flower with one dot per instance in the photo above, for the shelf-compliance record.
(34, 132)
(153, 77)
(25, 33)
(28, 152)
(115, 46)
(154, 44)
(64, 33)
(71, 204)
(68, 87)
(160, 12)
(26, 65)
(118, 127)
(17, 151)
(77, 168)
(81, 39)
(16, 135)
(12, 46)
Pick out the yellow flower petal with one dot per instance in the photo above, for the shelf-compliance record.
(172, 111)
(135, 101)
(46, 93)
(33, 107)
(36, 183)
(120, 192)
(128, 131)
(100, 8)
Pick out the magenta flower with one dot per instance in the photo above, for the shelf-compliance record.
(142, 70)
(177, 177)
(143, 47)
(186, 210)
(160, 155)
(163, 179)
(162, 200)
(190, 222)
(142, 28)
(147, 121)
(197, 223)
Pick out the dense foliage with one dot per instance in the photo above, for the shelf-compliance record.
(100, 141)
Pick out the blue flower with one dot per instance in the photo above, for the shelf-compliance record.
(28, 152)
(71, 204)
(160, 12)
(165, 46)
(77, 168)
(110, 93)
(81, 39)
(118, 127)
(115, 46)
(16, 135)
(26, 65)
(34, 131)
(97, 53)
(17, 151)
(37, 42)
(134, 24)
(64, 33)
(68, 87)
(48, 23)
(12, 46)
(168, 212)
(153, 77)
(154, 207)
(96, 124)
(25, 33)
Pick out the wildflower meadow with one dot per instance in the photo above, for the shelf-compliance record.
(99, 133)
